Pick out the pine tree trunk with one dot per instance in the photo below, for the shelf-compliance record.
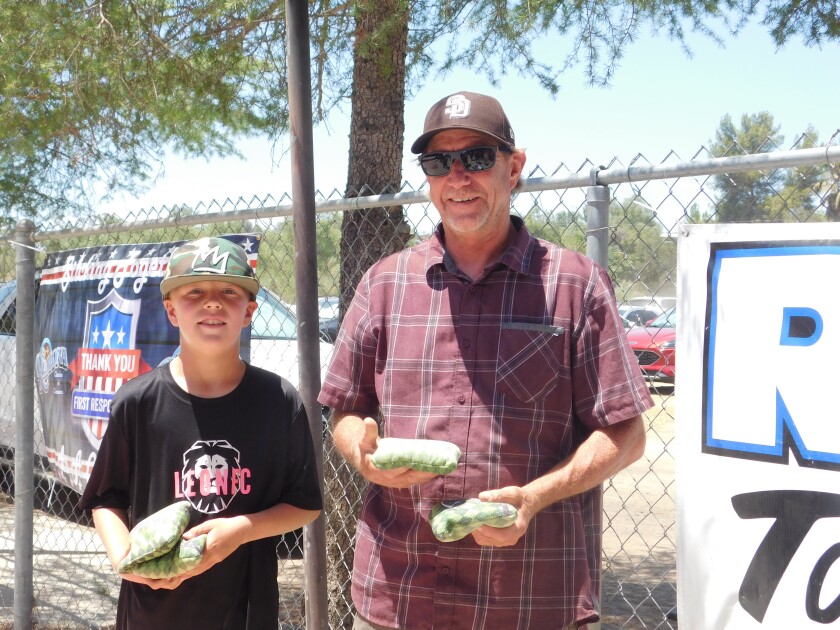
(377, 129)
(376, 142)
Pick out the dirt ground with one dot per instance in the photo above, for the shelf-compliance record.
(639, 542)
(75, 587)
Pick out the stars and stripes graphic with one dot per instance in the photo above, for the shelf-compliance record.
(105, 361)
(101, 307)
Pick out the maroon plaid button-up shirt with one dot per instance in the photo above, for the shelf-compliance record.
(517, 369)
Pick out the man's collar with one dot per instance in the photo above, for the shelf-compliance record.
(517, 256)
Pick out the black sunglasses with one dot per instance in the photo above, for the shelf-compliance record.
(474, 159)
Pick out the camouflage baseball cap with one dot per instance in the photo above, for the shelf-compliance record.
(209, 259)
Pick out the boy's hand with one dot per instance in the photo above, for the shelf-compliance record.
(223, 538)
(162, 583)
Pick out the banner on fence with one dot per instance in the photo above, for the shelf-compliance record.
(758, 426)
(99, 321)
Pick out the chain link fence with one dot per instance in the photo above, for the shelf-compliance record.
(73, 583)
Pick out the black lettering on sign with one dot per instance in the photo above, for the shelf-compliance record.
(795, 512)
(812, 596)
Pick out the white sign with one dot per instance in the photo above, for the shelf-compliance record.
(758, 426)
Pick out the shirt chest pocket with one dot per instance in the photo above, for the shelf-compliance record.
(529, 360)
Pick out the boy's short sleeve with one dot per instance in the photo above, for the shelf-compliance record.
(303, 488)
(108, 486)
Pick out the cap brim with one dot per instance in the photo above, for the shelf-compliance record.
(420, 144)
(251, 285)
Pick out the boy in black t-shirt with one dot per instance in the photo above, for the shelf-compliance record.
(207, 427)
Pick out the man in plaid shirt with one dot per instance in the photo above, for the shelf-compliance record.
(510, 347)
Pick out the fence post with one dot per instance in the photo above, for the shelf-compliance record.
(306, 287)
(597, 220)
(24, 421)
(597, 248)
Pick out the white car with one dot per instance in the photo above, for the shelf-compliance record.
(328, 317)
(274, 339)
(7, 369)
(658, 303)
(273, 347)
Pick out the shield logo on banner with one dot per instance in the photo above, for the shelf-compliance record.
(107, 359)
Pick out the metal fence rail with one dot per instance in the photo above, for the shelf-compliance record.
(623, 216)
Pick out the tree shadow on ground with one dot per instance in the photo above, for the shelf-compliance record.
(50, 496)
(640, 594)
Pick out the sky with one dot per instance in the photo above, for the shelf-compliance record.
(659, 101)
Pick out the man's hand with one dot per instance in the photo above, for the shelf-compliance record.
(402, 477)
(506, 536)
(605, 452)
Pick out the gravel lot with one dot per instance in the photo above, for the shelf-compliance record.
(639, 542)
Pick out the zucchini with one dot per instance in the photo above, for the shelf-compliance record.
(437, 456)
(453, 520)
(156, 535)
(185, 555)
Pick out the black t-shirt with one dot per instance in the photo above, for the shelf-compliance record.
(238, 454)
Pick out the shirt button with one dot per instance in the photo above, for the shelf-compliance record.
(466, 343)
(462, 399)
(444, 570)
(473, 289)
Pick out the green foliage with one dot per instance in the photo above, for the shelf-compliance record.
(495, 37)
(275, 263)
(815, 21)
(277, 256)
(779, 195)
(95, 92)
(563, 227)
(744, 195)
(694, 215)
(328, 229)
(642, 253)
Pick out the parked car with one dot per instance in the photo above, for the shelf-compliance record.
(328, 317)
(274, 338)
(655, 346)
(7, 368)
(637, 317)
(273, 347)
(653, 303)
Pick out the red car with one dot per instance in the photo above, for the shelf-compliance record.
(655, 346)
